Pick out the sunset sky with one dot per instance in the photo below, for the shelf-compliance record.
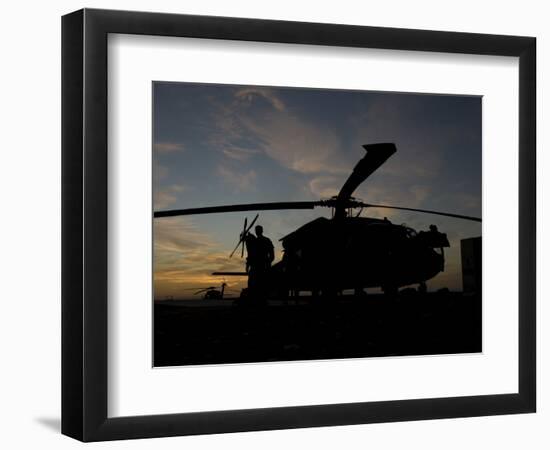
(226, 144)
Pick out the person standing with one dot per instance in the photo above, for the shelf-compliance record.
(260, 255)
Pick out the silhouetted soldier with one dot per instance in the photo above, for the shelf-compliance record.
(260, 256)
(264, 248)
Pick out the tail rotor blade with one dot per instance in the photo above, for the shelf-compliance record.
(246, 232)
(235, 249)
(243, 235)
(253, 222)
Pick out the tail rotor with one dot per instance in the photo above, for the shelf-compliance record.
(244, 233)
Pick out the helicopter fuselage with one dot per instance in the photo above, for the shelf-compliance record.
(332, 255)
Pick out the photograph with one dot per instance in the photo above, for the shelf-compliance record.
(267, 225)
(296, 223)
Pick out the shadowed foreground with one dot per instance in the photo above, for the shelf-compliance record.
(416, 324)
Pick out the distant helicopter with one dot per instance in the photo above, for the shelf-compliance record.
(328, 256)
(212, 292)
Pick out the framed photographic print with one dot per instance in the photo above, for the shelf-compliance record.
(274, 224)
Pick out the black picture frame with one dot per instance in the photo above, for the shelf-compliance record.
(84, 224)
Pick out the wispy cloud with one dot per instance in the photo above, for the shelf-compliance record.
(239, 180)
(239, 153)
(185, 257)
(393, 195)
(249, 94)
(419, 151)
(296, 143)
(168, 147)
(163, 199)
(160, 172)
(325, 186)
(291, 139)
(167, 196)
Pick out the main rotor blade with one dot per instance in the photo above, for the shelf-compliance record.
(377, 154)
(426, 211)
(235, 208)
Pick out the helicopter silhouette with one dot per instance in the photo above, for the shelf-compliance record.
(327, 256)
(212, 292)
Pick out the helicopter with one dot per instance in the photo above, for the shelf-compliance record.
(347, 251)
(212, 292)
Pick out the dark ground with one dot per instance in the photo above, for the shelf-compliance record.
(216, 333)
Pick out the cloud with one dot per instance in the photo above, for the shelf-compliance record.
(185, 257)
(325, 186)
(249, 94)
(239, 154)
(393, 195)
(162, 199)
(167, 196)
(412, 197)
(469, 203)
(239, 180)
(296, 143)
(178, 188)
(160, 172)
(392, 120)
(291, 139)
(176, 236)
(167, 147)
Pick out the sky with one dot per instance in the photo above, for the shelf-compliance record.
(226, 144)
